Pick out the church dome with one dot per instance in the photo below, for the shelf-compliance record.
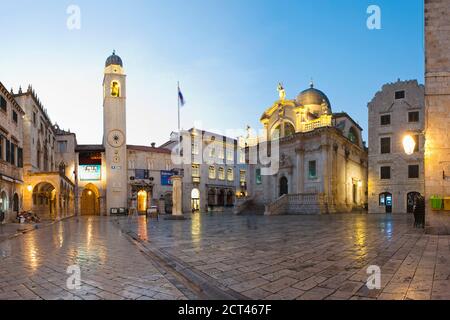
(312, 96)
(113, 60)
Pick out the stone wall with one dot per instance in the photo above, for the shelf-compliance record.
(437, 127)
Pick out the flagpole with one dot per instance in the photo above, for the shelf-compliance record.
(179, 121)
(178, 97)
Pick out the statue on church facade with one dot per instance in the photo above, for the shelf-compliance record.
(281, 92)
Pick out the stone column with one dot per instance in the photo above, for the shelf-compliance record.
(177, 209)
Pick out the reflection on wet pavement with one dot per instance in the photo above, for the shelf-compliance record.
(34, 265)
(308, 257)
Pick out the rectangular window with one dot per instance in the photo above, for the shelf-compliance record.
(8, 151)
(20, 157)
(3, 104)
(15, 117)
(385, 173)
(413, 172)
(195, 148)
(212, 172)
(413, 116)
(230, 174)
(141, 174)
(399, 95)
(385, 120)
(385, 145)
(242, 156)
(258, 176)
(196, 171)
(1, 147)
(243, 178)
(34, 118)
(230, 154)
(312, 169)
(221, 173)
(62, 146)
(13, 154)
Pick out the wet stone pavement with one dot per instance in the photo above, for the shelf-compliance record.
(34, 266)
(304, 257)
(227, 257)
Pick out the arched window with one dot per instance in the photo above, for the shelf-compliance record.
(289, 129)
(115, 89)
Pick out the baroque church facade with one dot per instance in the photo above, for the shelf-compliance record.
(322, 161)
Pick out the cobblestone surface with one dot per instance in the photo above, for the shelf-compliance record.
(34, 266)
(285, 257)
(306, 257)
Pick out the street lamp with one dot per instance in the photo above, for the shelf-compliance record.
(409, 144)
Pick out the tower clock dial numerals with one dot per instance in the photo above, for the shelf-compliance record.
(116, 138)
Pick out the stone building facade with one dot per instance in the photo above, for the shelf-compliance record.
(11, 156)
(214, 173)
(49, 192)
(395, 178)
(437, 101)
(321, 161)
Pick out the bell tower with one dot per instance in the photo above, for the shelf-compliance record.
(114, 133)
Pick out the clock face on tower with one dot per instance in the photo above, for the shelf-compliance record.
(116, 138)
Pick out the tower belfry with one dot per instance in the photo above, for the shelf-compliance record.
(114, 132)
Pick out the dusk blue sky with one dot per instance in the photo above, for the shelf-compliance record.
(229, 56)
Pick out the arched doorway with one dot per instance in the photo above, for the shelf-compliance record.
(410, 199)
(386, 201)
(16, 203)
(90, 201)
(168, 201)
(195, 200)
(211, 197)
(230, 198)
(221, 198)
(44, 201)
(142, 201)
(284, 187)
(4, 202)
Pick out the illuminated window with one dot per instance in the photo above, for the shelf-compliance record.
(195, 148)
(212, 172)
(243, 176)
(242, 156)
(230, 174)
(230, 154)
(115, 89)
(221, 173)
(196, 170)
(221, 152)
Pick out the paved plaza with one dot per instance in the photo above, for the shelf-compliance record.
(227, 257)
